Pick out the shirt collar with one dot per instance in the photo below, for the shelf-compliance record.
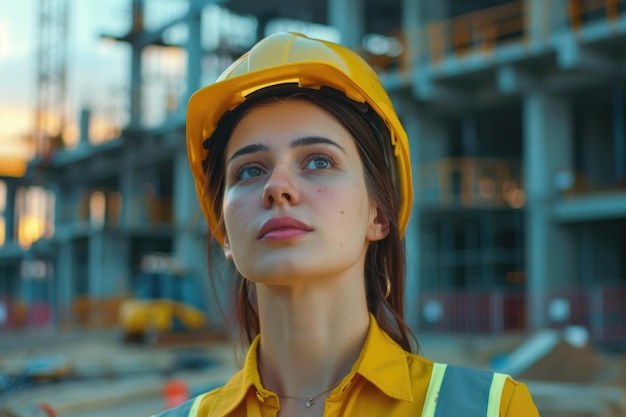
(382, 362)
(236, 389)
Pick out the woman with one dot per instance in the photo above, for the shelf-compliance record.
(302, 171)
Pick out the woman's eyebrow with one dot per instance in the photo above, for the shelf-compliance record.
(315, 140)
(255, 147)
(304, 141)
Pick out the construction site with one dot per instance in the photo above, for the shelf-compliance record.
(516, 117)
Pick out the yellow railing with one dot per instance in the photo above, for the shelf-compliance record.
(101, 208)
(479, 30)
(483, 30)
(471, 182)
(583, 11)
(91, 312)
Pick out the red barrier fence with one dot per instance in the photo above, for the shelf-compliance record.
(15, 314)
(601, 310)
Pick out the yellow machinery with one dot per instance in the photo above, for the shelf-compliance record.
(163, 303)
(159, 316)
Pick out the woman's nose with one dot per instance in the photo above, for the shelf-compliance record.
(280, 188)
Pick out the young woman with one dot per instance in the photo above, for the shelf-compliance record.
(302, 171)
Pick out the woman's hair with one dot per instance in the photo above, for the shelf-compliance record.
(385, 259)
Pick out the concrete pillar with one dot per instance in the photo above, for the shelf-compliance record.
(412, 22)
(348, 16)
(108, 265)
(194, 56)
(127, 190)
(60, 200)
(138, 7)
(416, 14)
(536, 12)
(186, 209)
(619, 132)
(137, 187)
(85, 118)
(428, 142)
(116, 266)
(64, 282)
(544, 18)
(135, 87)
(190, 248)
(9, 212)
(95, 264)
(550, 248)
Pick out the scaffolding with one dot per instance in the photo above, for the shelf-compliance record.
(51, 87)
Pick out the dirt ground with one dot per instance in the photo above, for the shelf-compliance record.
(95, 374)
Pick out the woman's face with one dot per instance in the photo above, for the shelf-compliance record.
(295, 201)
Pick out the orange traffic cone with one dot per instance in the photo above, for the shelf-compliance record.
(175, 391)
(47, 409)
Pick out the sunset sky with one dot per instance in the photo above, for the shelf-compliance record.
(97, 70)
(94, 67)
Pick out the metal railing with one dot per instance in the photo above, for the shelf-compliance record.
(600, 309)
(473, 312)
(145, 209)
(480, 30)
(484, 30)
(471, 182)
(584, 11)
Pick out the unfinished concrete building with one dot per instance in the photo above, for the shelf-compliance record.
(516, 118)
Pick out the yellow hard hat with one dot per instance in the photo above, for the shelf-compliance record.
(288, 58)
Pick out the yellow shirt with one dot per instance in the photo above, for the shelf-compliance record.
(384, 381)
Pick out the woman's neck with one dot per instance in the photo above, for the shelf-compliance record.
(310, 336)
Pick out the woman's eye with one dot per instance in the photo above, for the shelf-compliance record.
(249, 171)
(319, 162)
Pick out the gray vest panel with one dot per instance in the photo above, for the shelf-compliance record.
(464, 392)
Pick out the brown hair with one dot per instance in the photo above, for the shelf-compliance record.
(385, 259)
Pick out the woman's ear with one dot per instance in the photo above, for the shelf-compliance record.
(378, 226)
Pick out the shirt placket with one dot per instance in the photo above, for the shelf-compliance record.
(261, 405)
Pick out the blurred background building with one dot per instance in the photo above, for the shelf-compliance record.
(515, 112)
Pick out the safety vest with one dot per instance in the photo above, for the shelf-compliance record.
(453, 391)
(457, 391)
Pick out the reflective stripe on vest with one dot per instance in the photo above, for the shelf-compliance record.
(456, 391)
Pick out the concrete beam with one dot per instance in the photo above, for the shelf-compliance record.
(598, 206)
(511, 80)
(571, 55)
(425, 89)
(514, 80)
(150, 37)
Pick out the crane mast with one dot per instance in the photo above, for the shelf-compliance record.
(51, 85)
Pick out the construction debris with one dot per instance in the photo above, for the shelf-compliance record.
(566, 375)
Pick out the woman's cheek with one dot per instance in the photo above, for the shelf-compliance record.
(233, 210)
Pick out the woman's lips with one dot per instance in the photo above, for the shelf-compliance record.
(282, 228)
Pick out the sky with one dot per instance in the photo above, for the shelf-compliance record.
(96, 68)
